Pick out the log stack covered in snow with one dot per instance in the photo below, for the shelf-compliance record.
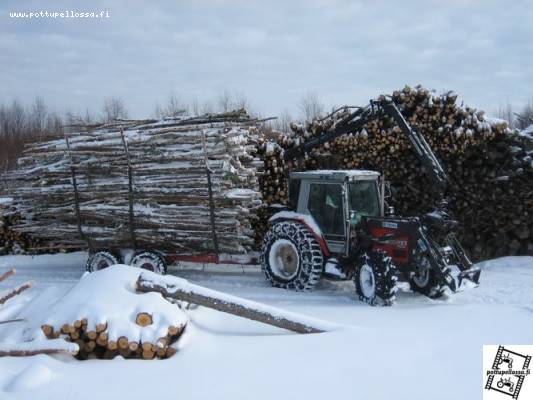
(105, 318)
(144, 183)
(489, 167)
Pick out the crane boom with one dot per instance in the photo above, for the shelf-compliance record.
(376, 109)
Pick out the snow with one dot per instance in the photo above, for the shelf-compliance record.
(108, 296)
(306, 219)
(416, 347)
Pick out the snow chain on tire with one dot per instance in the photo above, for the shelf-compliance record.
(150, 261)
(380, 270)
(100, 260)
(432, 288)
(310, 260)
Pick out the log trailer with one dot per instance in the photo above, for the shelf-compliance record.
(335, 226)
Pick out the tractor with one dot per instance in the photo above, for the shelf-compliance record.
(336, 224)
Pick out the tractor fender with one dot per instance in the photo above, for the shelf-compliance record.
(309, 223)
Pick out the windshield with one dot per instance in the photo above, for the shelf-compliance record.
(364, 200)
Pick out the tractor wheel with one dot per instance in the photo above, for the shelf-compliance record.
(375, 279)
(150, 261)
(291, 257)
(426, 282)
(100, 260)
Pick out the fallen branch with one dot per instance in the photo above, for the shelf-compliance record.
(15, 292)
(8, 321)
(58, 346)
(180, 289)
(7, 274)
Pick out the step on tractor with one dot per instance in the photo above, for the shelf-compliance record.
(336, 225)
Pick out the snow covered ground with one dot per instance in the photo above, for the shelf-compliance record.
(417, 349)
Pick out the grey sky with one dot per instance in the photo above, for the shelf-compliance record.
(271, 51)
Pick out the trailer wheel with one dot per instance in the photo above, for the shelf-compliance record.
(425, 281)
(291, 257)
(150, 261)
(100, 260)
(376, 279)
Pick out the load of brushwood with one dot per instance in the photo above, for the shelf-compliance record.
(489, 166)
(173, 184)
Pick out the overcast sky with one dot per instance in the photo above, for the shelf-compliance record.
(272, 51)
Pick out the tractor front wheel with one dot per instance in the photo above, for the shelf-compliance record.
(376, 279)
(425, 281)
(291, 257)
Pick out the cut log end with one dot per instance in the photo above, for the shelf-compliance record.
(143, 319)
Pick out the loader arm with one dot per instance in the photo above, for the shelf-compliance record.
(378, 108)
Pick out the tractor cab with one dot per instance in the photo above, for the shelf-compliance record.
(336, 201)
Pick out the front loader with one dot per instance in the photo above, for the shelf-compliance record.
(335, 224)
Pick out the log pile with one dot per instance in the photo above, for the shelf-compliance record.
(95, 341)
(489, 166)
(11, 241)
(144, 184)
(104, 316)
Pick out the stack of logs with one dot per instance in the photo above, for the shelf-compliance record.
(95, 342)
(144, 184)
(489, 166)
(11, 241)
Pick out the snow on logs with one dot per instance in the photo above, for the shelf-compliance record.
(489, 166)
(105, 317)
(144, 183)
(180, 289)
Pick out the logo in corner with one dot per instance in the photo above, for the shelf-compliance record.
(510, 368)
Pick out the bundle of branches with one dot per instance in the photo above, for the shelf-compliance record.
(172, 184)
(490, 169)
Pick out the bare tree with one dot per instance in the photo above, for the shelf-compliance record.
(114, 108)
(282, 123)
(37, 116)
(311, 107)
(525, 117)
(224, 102)
(174, 107)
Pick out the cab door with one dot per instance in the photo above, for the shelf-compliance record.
(325, 203)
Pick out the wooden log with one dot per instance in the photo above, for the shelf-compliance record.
(143, 319)
(180, 289)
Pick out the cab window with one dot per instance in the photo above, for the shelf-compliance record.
(363, 199)
(325, 205)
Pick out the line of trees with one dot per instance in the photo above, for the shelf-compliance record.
(518, 119)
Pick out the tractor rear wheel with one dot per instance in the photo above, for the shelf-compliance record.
(291, 257)
(426, 281)
(376, 279)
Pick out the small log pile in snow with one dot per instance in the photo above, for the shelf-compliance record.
(172, 184)
(105, 318)
(490, 169)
